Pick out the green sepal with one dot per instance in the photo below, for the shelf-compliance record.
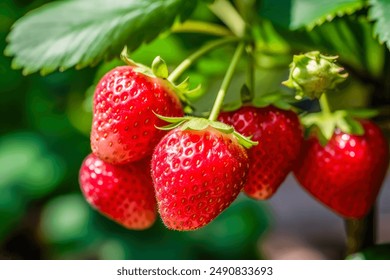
(362, 113)
(172, 119)
(170, 126)
(198, 124)
(184, 89)
(222, 127)
(138, 67)
(188, 109)
(184, 84)
(185, 93)
(354, 126)
(312, 74)
(160, 68)
(327, 123)
(245, 141)
(126, 59)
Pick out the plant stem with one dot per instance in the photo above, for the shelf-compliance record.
(251, 72)
(226, 82)
(183, 66)
(324, 103)
(194, 26)
(229, 15)
(361, 233)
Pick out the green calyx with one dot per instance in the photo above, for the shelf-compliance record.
(159, 70)
(345, 120)
(198, 124)
(312, 74)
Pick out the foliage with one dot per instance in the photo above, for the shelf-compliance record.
(64, 34)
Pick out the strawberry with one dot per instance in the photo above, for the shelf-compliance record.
(124, 124)
(196, 175)
(123, 193)
(279, 134)
(346, 174)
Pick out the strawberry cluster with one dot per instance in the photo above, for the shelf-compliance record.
(147, 157)
(191, 173)
(115, 179)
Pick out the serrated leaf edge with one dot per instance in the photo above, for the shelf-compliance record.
(338, 13)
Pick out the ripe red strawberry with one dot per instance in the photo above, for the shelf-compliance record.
(196, 175)
(347, 173)
(279, 134)
(124, 124)
(122, 193)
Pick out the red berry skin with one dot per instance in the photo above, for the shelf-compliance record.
(347, 173)
(196, 175)
(124, 124)
(279, 135)
(122, 193)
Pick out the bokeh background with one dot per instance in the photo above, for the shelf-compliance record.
(44, 136)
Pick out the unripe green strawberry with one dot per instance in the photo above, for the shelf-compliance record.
(312, 74)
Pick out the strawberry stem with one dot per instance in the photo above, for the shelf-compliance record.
(185, 64)
(361, 233)
(324, 103)
(193, 26)
(251, 71)
(226, 83)
(226, 12)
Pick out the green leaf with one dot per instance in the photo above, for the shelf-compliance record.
(64, 34)
(294, 14)
(380, 12)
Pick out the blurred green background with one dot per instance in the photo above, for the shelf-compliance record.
(44, 136)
